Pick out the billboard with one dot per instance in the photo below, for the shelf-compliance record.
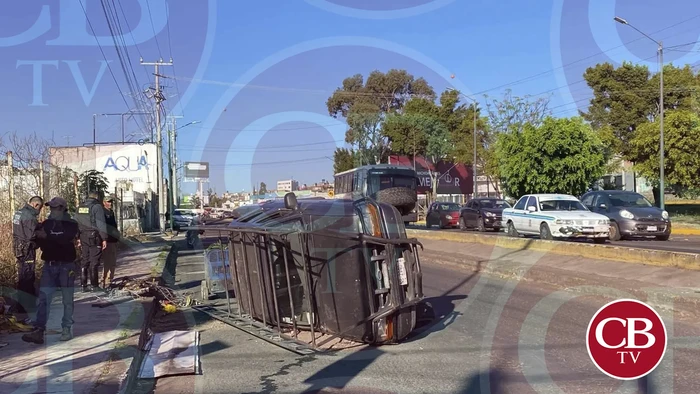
(196, 171)
(131, 166)
(452, 178)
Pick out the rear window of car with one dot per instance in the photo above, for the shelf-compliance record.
(449, 207)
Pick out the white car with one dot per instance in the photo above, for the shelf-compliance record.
(555, 216)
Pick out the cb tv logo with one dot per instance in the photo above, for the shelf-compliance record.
(626, 339)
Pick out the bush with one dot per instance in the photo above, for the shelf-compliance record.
(8, 263)
(8, 268)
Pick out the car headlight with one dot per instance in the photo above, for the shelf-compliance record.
(448, 217)
(664, 215)
(626, 214)
(490, 214)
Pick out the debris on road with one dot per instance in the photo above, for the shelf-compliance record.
(172, 353)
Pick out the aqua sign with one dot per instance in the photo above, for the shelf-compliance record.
(126, 163)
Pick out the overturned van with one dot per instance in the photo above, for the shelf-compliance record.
(341, 268)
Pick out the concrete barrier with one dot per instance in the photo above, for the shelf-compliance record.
(660, 258)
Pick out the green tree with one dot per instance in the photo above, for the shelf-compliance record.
(263, 188)
(365, 104)
(559, 156)
(92, 181)
(343, 160)
(423, 128)
(507, 115)
(681, 147)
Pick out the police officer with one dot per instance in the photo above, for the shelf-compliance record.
(93, 239)
(24, 225)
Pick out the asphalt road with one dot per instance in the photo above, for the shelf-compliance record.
(490, 336)
(677, 243)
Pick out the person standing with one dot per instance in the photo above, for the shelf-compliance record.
(24, 224)
(93, 239)
(109, 255)
(56, 237)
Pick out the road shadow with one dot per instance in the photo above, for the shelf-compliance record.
(487, 382)
(341, 372)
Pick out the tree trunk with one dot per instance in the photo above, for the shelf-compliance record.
(657, 196)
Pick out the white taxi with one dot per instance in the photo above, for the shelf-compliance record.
(555, 216)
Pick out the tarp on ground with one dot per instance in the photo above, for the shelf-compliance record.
(172, 353)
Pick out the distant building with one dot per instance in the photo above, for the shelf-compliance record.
(287, 186)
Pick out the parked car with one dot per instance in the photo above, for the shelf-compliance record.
(630, 214)
(182, 218)
(483, 214)
(555, 216)
(443, 215)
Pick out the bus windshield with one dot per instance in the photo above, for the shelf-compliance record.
(379, 182)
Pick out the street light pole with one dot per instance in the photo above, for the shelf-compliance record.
(474, 134)
(661, 108)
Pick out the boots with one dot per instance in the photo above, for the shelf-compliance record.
(66, 334)
(36, 336)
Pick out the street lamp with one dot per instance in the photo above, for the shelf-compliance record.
(661, 107)
(475, 117)
(171, 158)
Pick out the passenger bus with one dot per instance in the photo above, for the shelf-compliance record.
(386, 183)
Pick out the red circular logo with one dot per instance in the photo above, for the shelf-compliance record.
(626, 339)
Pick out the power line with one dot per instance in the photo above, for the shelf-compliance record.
(170, 50)
(112, 19)
(103, 53)
(153, 28)
(536, 76)
(311, 159)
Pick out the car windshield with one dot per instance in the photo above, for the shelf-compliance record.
(449, 207)
(182, 213)
(494, 204)
(628, 200)
(561, 205)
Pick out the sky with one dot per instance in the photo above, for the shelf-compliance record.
(255, 75)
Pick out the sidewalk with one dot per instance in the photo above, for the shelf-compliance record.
(95, 360)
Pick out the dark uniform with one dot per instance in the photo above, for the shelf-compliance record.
(24, 224)
(93, 230)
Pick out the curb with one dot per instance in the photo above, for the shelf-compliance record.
(659, 258)
(130, 379)
(677, 230)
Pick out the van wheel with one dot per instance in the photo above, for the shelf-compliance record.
(545, 233)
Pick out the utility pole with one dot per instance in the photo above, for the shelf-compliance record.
(172, 157)
(159, 98)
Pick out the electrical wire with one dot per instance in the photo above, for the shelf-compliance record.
(103, 53)
(153, 28)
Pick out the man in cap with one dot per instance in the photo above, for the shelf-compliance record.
(109, 254)
(56, 236)
(24, 223)
(93, 239)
